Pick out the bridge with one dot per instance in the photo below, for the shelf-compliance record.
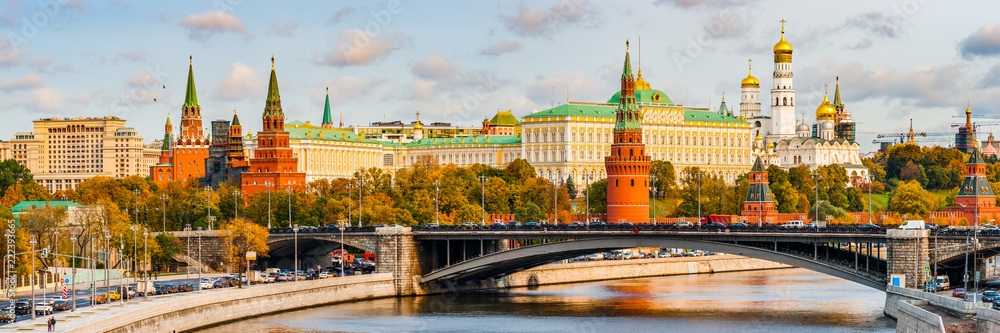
(428, 258)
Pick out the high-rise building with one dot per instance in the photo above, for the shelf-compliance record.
(62, 152)
(628, 165)
(273, 162)
(782, 92)
(184, 157)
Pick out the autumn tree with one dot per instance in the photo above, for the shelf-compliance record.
(911, 198)
(666, 179)
(240, 235)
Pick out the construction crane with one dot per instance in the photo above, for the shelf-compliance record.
(980, 116)
(977, 124)
(911, 136)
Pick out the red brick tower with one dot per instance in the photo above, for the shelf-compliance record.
(273, 161)
(183, 157)
(628, 165)
(758, 202)
(975, 199)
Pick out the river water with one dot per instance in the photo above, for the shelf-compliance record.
(784, 300)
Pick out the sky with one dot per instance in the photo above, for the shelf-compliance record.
(461, 61)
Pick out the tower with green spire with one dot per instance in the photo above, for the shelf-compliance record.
(273, 162)
(628, 166)
(327, 116)
(191, 130)
(844, 125)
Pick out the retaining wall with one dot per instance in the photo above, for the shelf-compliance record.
(988, 320)
(217, 308)
(955, 306)
(914, 319)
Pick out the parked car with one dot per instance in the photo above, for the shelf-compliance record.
(206, 284)
(381, 225)
(792, 224)
(533, 225)
(44, 308)
(626, 224)
(810, 225)
(8, 315)
(61, 305)
(498, 225)
(715, 225)
(684, 224)
(959, 292)
(869, 226)
(184, 286)
(739, 225)
(467, 226)
(513, 224)
(323, 274)
(989, 296)
(597, 223)
(577, 225)
(432, 226)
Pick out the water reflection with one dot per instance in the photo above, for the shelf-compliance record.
(788, 300)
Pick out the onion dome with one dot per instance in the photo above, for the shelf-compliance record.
(759, 138)
(802, 127)
(827, 125)
(770, 146)
(750, 81)
(783, 50)
(826, 111)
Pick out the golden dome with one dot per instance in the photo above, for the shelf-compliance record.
(750, 81)
(759, 138)
(826, 111)
(418, 126)
(770, 146)
(782, 46)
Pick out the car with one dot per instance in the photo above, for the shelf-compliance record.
(22, 307)
(739, 225)
(62, 305)
(432, 225)
(206, 284)
(626, 224)
(715, 225)
(990, 228)
(989, 296)
(869, 226)
(996, 304)
(114, 295)
(8, 315)
(468, 226)
(577, 225)
(792, 224)
(184, 286)
(959, 292)
(513, 224)
(44, 308)
(99, 299)
(381, 225)
(810, 225)
(597, 223)
(684, 224)
(323, 274)
(219, 283)
(498, 225)
(533, 225)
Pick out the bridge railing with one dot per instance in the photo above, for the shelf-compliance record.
(322, 230)
(770, 228)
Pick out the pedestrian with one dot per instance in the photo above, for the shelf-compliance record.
(52, 324)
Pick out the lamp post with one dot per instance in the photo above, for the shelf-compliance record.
(269, 186)
(107, 261)
(652, 181)
(55, 259)
(32, 242)
(361, 187)
(200, 264)
(589, 177)
(349, 187)
(236, 203)
(816, 178)
(208, 206)
(555, 200)
(437, 191)
(343, 225)
(871, 179)
(187, 250)
(163, 198)
(295, 230)
(145, 257)
(698, 175)
(121, 279)
(136, 192)
(72, 241)
(482, 180)
(289, 191)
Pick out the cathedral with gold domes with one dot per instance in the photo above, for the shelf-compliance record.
(789, 142)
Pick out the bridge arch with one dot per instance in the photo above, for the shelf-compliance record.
(506, 262)
(313, 249)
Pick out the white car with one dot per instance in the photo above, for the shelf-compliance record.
(43, 308)
(206, 284)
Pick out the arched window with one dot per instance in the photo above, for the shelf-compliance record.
(616, 183)
(784, 101)
(633, 182)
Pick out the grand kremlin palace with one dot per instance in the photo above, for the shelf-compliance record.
(569, 140)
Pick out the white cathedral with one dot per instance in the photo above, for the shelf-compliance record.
(831, 140)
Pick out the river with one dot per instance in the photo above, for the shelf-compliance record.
(784, 300)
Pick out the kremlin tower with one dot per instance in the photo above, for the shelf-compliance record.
(628, 165)
(758, 202)
(186, 155)
(273, 162)
(975, 199)
(782, 92)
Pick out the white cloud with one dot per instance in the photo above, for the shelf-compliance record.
(435, 67)
(240, 83)
(356, 48)
(985, 42)
(46, 99)
(541, 22)
(349, 89)
(201, 26)
(8, 54)
(29, 81)
(501, 47)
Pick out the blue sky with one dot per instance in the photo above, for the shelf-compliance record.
(460, 61)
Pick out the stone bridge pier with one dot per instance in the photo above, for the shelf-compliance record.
(910, 251)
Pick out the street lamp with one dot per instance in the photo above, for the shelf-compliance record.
(269, 187)
(295, 230)
(289, 191)
(136, 192)
(349, 203)
(187, 249)
(135, 244)
(107, 260)
(361, 187)
(589, 177)
(437, 191)
(236, 203)
(482, 180)
(871, 178)
(163, 198)
(145, 257)
(208, 206)
(72, 242)
(555, 200)
(121, 279)
(32, 242)
(200, 263)
(652, 181)
(55, 258)
(343, 225)
(816, 176)
(698, 176)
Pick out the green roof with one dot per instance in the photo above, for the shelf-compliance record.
(327, 117)
(644, 96)
(272, 107)
(699, 115)
(467, 140)
(504, 118)
(24, 206)
(329, 134)
(578, 110)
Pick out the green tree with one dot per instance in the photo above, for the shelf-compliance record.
(570, 188)
(529, 212)
(598, 197)
(666, 179)
(911, 198)
(12, 172)
(826, 209)
(520, 170)
(785, 195)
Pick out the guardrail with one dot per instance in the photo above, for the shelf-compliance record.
(649, 227)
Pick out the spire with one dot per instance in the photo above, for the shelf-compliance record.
(627, 117)
(236, 119)
(836, 94)
(640, 84)
(272, 107)
(327, 117)
(723, 110)
(191, 97)
(968, 116)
